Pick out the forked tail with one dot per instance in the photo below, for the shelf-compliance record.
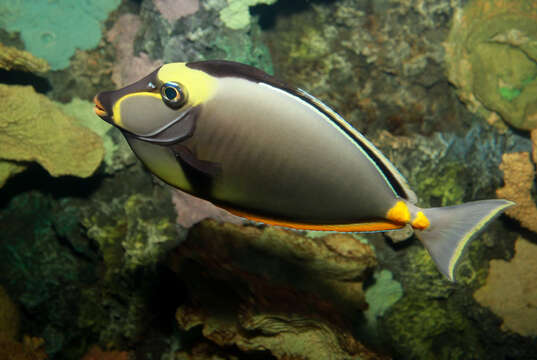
(453, 227)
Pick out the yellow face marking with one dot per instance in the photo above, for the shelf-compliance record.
(420, 221)
(117, 105)
(199, 85)
(399, 213)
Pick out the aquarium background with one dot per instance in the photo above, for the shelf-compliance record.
(100, 260)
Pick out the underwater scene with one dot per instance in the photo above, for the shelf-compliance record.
(268, 179)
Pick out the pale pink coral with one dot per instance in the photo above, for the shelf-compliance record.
(191, 210)
(172, 10)
(128, 68)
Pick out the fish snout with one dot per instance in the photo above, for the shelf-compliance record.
(103, 107)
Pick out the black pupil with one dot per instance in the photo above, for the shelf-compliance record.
(170, 93)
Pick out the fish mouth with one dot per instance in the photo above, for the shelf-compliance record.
(100, 110)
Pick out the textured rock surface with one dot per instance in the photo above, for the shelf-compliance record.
(274, 290)
(519, 175)
(511, 290)
(117, 153)
(492, 59)
(199, 37)
(56, 41)
(129, 67)
(14, 59)
(378, 63)
(32, 128)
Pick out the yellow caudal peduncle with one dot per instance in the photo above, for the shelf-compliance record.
(399, 213)
(420, 222)
(199, 85)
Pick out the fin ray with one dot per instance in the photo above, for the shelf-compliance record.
(453, 227)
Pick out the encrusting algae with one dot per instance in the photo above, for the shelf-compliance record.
(491, 58)
(14, 59)
(519, 175)
(33, 128)
(274, 290)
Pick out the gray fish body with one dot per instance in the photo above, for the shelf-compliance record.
(280, 156)
(238, 137)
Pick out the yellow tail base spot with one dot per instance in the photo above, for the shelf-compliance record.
(420, 221)
(399, 213)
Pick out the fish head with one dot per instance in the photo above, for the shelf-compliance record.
(156, 103)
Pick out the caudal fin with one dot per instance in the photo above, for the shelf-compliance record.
(451, 229)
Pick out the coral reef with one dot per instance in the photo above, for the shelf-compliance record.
(437, 167)
(381, 296)
(8, 169)
(14, 59)
(378, 64)
(34, 129)
(519, 174)
(274, 290)
(88, 73)
(191, 210)
(236, 14)
(117, 153)
(491, 57)
(173, 10)
(129, 68)
(199, 37)
(511, 290)
(76, 26)
(138, 233)
(42, 266)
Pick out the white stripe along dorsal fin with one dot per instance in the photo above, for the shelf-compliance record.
(383, 164)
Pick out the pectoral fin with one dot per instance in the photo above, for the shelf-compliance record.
(182, 128)
(184, 154)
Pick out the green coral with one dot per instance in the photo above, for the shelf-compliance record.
(419, 326)
(381, 296)
(130, 232)
(236, 14)
(491, 56)
(14, 59)
(117, 152)
(54, 29)
(8, 169)
(32, 128)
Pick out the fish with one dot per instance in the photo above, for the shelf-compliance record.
(251, 144)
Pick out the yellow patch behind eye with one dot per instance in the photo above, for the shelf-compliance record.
(399, 213)
(199, 85)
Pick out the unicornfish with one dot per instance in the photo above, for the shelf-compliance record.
(261, 149)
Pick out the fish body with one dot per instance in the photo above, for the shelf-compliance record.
(236, 136)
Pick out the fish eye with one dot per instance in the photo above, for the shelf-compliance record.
(173, 95)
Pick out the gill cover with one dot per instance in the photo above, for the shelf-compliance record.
(159, 108)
